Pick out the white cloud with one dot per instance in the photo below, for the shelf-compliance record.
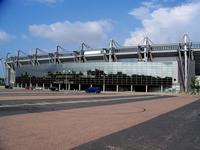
(167, 24)
(5, 37)
(143, 12)
(72, 32)
(24, 36)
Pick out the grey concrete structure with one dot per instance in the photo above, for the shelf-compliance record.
(145, 67)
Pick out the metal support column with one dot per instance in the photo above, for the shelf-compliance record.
(79, 87)
(43, 87)
(146, 88)
(117, 88)
(186, 63)
(161, 88)
(59, 87)
(69, 88)
(145, 53)
(104, 87)
(145, 49)
(131, 88)
(65, 86)
(111, 46)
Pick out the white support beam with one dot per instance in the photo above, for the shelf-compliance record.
(186, 62)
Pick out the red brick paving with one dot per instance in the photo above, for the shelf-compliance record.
(61, 130)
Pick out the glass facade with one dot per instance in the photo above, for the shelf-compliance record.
(98, 73)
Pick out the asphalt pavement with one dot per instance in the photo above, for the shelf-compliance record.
(23, 92)
(176, 130)
(14, 107)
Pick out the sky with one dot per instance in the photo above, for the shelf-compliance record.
(29, 24)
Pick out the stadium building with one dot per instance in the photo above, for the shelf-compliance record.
(146, 67)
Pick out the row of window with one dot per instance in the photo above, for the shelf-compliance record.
(138, 80)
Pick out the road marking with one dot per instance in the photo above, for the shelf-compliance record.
(75, 102)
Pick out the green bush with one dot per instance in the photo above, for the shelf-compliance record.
(195, 85)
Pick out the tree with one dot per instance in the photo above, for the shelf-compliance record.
(198, 86)
(195, 85)
(193, 82)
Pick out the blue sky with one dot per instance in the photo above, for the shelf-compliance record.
(28, 24)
